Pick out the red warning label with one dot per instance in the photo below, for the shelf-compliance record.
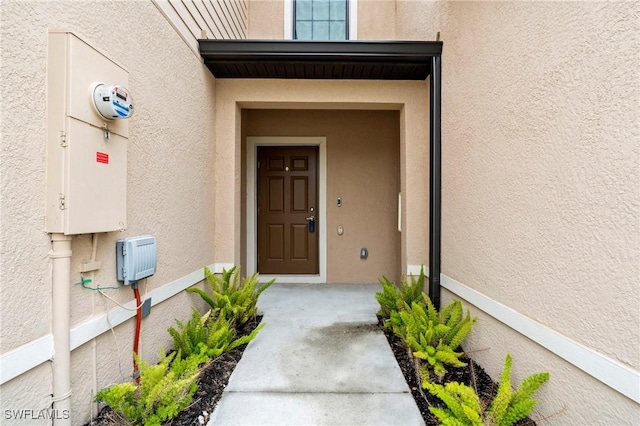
(102, 157)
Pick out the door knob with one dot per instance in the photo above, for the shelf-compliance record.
(310, 218)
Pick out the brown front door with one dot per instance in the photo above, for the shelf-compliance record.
(288, 210)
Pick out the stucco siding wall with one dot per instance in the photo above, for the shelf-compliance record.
(571, 397)
(377, 20)
(363, 150)
(169, 184)
(266, 20)
(541, 188)
(409, 97)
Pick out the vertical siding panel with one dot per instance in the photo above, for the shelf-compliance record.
(221, 19)
(173, 16)
(195, 14)
(214, 31)
(237, 18)
(186, 17)
(224, 33)
(224, 7)
(245, 10)
(243, 17)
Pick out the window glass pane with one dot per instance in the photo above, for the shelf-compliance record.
(321, 30)
(303, 10)
(303, 30)
(321, 19)
(337, 30)
(320, 10)
(338, 10)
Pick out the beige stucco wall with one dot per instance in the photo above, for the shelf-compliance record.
(363, 168)
(169, 193)
(266, 19)
(409, 97)
(541, 188)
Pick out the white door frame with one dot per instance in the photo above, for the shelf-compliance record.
(253, 142)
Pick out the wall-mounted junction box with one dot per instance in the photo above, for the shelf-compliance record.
(86, 168)
(136, 258)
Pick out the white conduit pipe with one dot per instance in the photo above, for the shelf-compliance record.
(60, 256)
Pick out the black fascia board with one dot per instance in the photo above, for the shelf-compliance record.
(291, 52)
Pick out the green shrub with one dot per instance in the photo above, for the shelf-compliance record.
(164, 390)
(394, 299)
(432, 336)
(508, 407)
(205, 338)
(235, 299)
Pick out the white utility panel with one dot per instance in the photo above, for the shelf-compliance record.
(86, 153)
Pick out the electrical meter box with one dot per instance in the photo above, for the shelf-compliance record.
(86, 152)
(136, 258)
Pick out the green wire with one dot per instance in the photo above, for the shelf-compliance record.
(84, 281)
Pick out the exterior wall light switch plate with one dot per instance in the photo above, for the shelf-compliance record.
(340, 230)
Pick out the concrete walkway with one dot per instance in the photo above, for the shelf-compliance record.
(320, 360)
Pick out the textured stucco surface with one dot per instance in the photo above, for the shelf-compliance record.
(266, 19)
(363, 168)
(410, 98)
(540, 186)
(169, 194)
(568, 398)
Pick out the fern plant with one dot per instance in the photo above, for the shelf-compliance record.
(393, 299)
(235, 299)
(432, 336)
(205, 338)
(164, 390)
(508, 407)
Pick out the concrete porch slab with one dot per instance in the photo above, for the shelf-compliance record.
(237, 408)
(320, 360)
(297, 357)
(320, 304)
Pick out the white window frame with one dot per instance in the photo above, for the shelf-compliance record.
(353, 19)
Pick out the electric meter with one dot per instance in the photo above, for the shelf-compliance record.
(112, 101)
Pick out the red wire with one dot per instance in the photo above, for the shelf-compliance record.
(136, 340)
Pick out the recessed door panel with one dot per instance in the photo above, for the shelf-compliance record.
(299, 194)
(300, 242)
(276, 242)
(276, 194)
(287, 210)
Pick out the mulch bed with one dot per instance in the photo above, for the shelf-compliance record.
(215, 377)
(472, 375)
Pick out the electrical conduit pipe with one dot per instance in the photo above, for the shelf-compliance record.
(60, 256)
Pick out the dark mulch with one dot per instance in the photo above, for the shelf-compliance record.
(211, 383)
(215, 376)
(213, 380)
(472, 375)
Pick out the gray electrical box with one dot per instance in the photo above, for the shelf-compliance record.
(136, 258)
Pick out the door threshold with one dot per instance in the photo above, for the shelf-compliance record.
(293, 279)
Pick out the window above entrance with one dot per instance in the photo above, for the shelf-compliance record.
(320, 20)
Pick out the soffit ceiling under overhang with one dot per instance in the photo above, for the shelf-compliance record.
(349, 60)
